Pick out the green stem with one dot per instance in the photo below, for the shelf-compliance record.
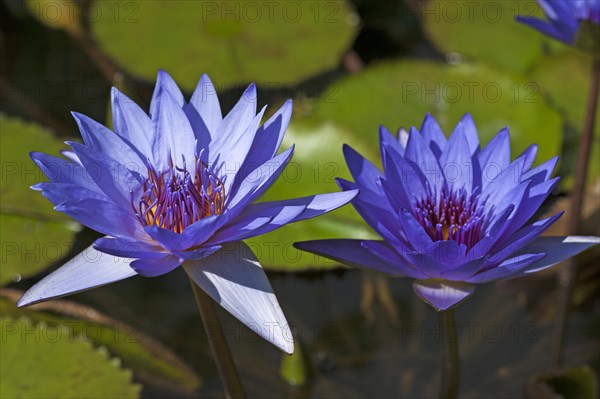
(567, 273)
(450, 361)
(218, 343)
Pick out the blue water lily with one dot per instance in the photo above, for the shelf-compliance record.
(178, 187)
(451, 214)
(564, 17)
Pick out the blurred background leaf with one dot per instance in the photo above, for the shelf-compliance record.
(44, 360)
(233, 41)
(33, 235)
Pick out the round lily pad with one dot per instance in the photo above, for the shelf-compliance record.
(46, 361)
(485, 31)
(33, 235)
(399, 94)
(233, 41)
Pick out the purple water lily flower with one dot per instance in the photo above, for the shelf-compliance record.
(451, 214)
(178, 188)
(564, 17)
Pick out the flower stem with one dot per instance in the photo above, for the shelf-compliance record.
(567, 273)
(218, 343)
(450, 360)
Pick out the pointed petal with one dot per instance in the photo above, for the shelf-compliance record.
(151, 267)
(467, 125)
(349, 252)
(509, 268)
(59, 170)
(206, 102)
(494, 157)
(389, 142)
(115, 180)
(103, 216)
(174, 137)
(87, 270)
(280, 213)
(128, 248)
(432, 132)
(456, 160)
(194, 234)
(558, 249)
(363, 171)
(234, 278)
(233, 126)
(132, 123)
(418, 152)
(257, 182)
(268, 138)
(103, 140)
(443, 294)
(164, 84)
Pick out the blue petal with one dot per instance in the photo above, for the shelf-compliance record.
(467, 125)
(194, 234)
(257, 182)
(506, 269)
(363, 171)
(114, 179)
(534, 198)
(442, 294)
(373, 208)
(268, 139)
(350, 252)
(233, 126)
(128, 248)
(164, 84)
(242, 228)
(89, 269)
(558, 249)
(548, 29)
(102, 139)
(416, 235)
(456, 160)
(132, 123)
(102, 216)
(174, 138)
(156, 267)
(389, 256)
(541, 172)
(201, 132)
(58, 193)
(59, 170)
(199, 253)
(206, 102)
(418, 152)
(494, 157)
(405, 179)
(234, 278)
(390, 144)
(280, 213)
(502, 249)
(432, 132)
(235, 151)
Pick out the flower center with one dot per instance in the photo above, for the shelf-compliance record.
(175, 199)
(453, 216)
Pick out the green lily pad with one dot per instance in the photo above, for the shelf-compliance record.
(232, 41)
(149, 360)
(399, 94)
(44, 360)
(571, 100)
(33, 235)
(317, 161)
(485, 31)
